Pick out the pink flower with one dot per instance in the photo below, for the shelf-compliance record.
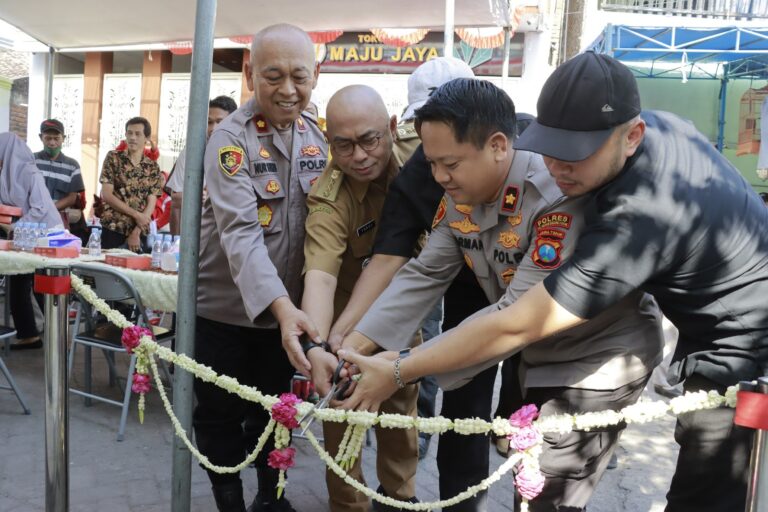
(290, 399)
(141, 383)
(524, 416)
(131, 337)
(284, 411)
(525, 438)
(529, 482)
(281, 459)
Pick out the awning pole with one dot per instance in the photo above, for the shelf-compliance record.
(200, 85)
(721, 112)
(505, 64)
(450, 10)
(49, 84)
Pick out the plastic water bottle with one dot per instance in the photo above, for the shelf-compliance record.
(94, 241)
(26, 236)
(167, 243)
(40, 232)
(157, 252)
(18, 236)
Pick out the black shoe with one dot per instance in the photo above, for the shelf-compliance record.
(229, 497)
(274, 505)
(424, 446)
(380, 507)
(27, 346)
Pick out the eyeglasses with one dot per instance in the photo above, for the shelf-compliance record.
(347, 147)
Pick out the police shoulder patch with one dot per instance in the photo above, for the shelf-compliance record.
(442, 208)
(231, 159)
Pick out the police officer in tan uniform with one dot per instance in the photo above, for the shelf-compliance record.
(259, 166)
(506, 219)
(344, 211)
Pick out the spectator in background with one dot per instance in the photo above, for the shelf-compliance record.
(62, 176)
(130, 185)
(22, 185)
(218, 110)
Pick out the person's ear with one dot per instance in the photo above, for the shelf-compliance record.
(393, 126)
(248, 70)
(634, 137)
(499, 145)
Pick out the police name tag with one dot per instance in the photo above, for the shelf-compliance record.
(264, 168)
(366, 227)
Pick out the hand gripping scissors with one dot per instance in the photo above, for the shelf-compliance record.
(337, 390)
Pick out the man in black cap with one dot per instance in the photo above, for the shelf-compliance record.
(61, 173)
(666, 214)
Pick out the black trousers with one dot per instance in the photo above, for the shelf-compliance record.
(574, 462)
(226, 426)
(462, 461)
(713, 463)
(21, 305)
(114, 240)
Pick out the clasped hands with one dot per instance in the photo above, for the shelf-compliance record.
(374, 385)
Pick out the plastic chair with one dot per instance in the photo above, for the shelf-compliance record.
(6, 333)
(112, 286)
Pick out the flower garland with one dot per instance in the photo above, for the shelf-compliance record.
(284, 413)
(524, 428)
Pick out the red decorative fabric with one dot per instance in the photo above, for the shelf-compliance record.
(751, 410)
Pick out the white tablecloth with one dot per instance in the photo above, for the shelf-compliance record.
(157, 290)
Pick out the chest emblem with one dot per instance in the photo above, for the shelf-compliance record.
(265, 215)
(263, 153)
(440, 213)
(261, 124)
(465, 226)
(515, 220)
(509, 202)
(507, 275)
(464, 208)
(273, 187)
(509, 239)
(310, 150)
(230, 159)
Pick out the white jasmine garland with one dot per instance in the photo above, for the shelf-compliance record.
(471, 426)
(696, 400)
(334, 415)
(555, 423)
(645, 411)
(501, 427)
(396, 421)
(363, 418)
(360, 421)
(436, 425)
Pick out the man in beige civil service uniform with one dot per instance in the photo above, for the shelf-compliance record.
(505, 217)
(259, 166)
(344, 211)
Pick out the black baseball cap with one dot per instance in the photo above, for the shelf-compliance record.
(52, 125)
(580, 105)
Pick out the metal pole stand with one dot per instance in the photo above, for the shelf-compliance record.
(54, 283)
(750, 412)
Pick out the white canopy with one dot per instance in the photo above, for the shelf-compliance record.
(84, 23)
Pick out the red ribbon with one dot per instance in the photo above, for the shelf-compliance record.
(751, 410)
(52, 285)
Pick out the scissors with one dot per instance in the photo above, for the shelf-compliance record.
(337, 391)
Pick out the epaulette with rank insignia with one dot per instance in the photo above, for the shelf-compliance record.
(328, 185)
(407, 131)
